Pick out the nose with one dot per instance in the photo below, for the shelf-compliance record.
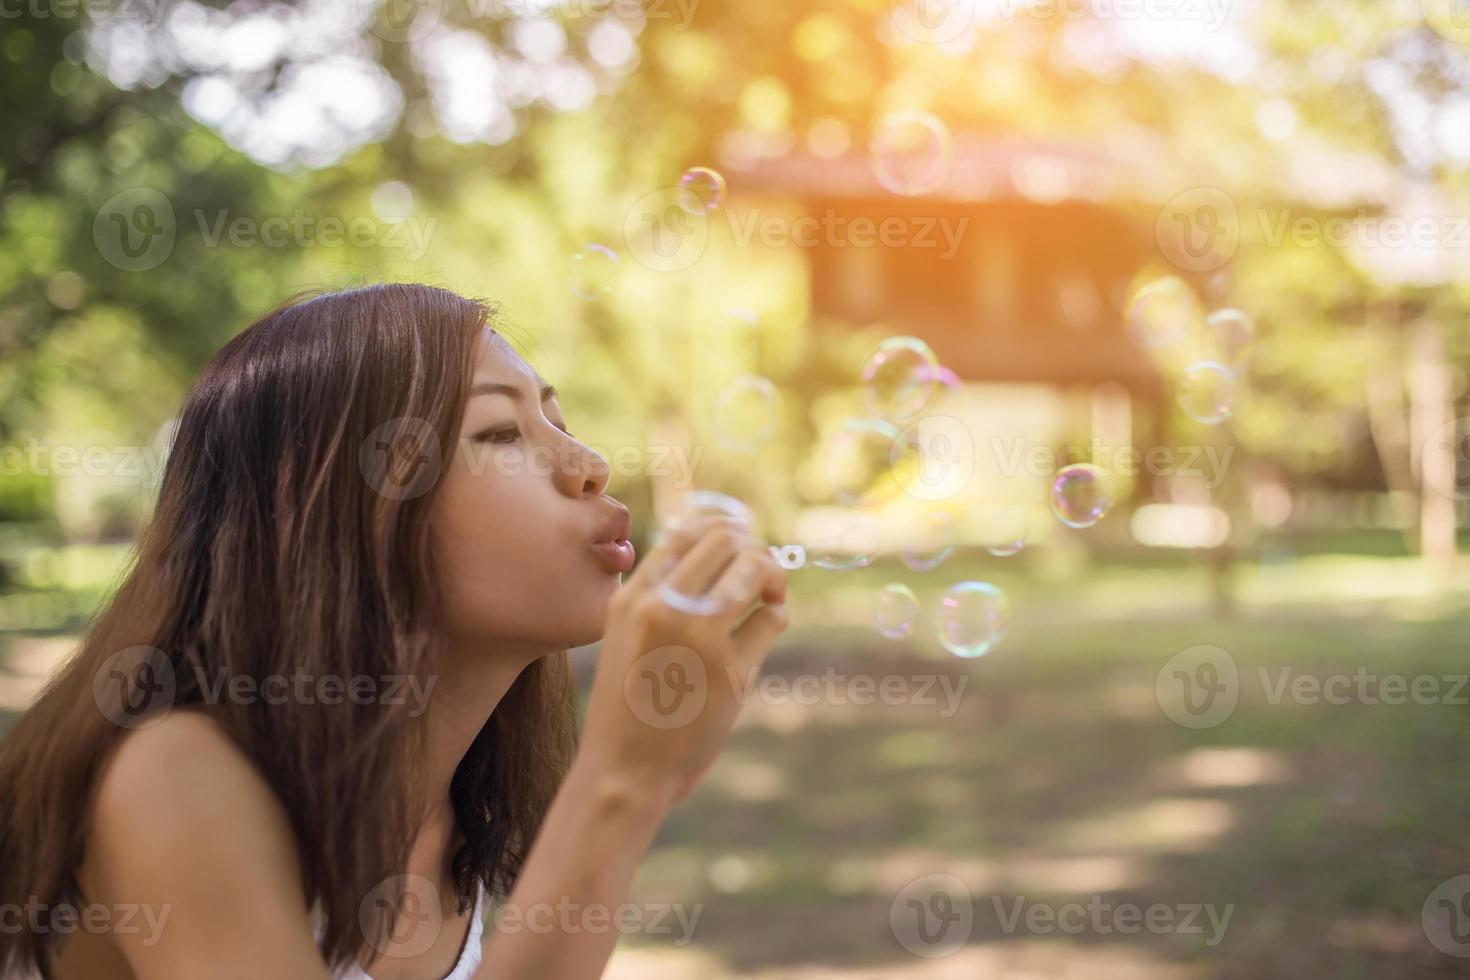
(585, 473)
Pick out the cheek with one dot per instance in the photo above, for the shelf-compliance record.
(510, 568)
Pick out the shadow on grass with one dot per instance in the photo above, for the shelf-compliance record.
(1322, 828)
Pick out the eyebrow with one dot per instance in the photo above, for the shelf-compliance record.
(513, 392)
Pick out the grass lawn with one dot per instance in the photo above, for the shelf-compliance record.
(1060, 783)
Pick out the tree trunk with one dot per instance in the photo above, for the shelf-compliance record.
(1433, 425)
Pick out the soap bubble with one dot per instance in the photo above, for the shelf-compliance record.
(947, 380)
(701, 190)
(931, 541)
(1080, 495)
(1231, 332)
(853, 547)
(973, 617)
(1207, 392)
(1007, 530)
(900, 378)
(895, 611)
(594, 271)
(746, 412)
(1162, 313)
(860, 461)
(912, 152)
(699, 504)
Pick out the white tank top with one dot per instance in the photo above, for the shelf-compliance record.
(469, 955)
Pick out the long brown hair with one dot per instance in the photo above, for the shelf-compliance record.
(273, 550)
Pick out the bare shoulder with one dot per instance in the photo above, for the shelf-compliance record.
(183, 823)
(180, 776)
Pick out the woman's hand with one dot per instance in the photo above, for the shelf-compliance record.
(667, 688)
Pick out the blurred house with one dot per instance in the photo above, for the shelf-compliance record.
(1034, 290)
(1015, 269)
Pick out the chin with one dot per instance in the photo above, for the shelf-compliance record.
(593, 627)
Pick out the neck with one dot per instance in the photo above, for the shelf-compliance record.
(472, 678)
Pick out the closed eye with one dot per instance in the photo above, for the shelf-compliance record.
(499, 436)
(508, 435)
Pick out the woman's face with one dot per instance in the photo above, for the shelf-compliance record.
(520, 513)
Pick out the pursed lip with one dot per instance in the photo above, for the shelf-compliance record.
(616, 528)
(612, 544)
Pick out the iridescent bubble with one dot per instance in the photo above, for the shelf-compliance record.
(1079, 495)
(973, 618)
(931, 540)
(701, 190)
(947, 380)
(1207, 392)
(900, 378)
(746, 412)
(912, 152)
(1231, 334)
(1163, 312)
(696, 505)
(895, 611)
(852, 547)
(859, 461)
(594, 271)
(1007, 530)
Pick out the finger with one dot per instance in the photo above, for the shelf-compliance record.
(754, 637)
(753, 574)
(672, 546)
(701, 567)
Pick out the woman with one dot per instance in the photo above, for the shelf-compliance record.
(329, 710)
